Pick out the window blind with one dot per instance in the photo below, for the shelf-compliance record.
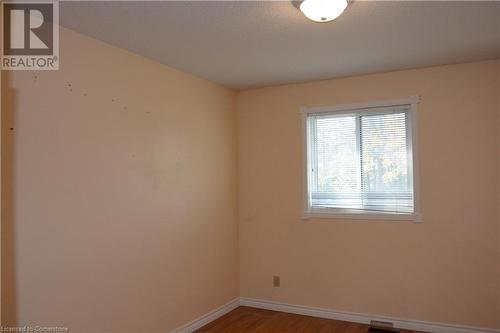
(361, 160)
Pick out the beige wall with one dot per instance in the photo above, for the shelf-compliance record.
(123, 212)
(119, 182)
(445, 269)
(498, 179)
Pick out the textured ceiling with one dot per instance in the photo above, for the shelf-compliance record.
(242, 44)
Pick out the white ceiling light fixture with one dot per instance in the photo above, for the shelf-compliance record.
(323, 10)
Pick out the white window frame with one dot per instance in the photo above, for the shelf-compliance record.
(342, 213)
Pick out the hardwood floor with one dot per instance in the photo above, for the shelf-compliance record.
(245, 319)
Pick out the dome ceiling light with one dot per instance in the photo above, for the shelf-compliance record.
(323, 10)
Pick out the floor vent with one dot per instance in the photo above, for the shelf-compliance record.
(381, 327)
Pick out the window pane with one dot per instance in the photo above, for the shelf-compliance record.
(336, 166)
(385, 181)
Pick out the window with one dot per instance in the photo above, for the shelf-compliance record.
(360, 161)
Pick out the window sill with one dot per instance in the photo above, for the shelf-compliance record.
(362, 216)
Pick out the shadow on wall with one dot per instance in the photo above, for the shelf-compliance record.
(9, 290)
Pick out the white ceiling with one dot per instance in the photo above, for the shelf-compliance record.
(242, 44)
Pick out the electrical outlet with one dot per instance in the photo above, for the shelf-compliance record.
(276, 281)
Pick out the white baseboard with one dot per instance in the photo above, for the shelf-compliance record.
(209, 317)
(362, 318)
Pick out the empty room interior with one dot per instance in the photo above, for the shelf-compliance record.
(250, 166)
